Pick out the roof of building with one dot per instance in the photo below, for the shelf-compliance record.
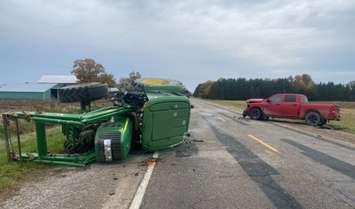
(25, 87)
(55, 79)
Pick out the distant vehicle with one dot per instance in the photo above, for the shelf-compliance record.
(293, 106)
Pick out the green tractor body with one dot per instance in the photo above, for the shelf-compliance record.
(165, 121)
(113, 140)
(157, 120)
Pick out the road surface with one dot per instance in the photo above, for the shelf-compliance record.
(236, 163)
(227, 162)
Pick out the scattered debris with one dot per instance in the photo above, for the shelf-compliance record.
(198, 140)
(187, 149)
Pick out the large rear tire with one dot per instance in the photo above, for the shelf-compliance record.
(82, 92)
(314, 118)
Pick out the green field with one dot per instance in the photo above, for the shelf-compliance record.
(14, 173)
(347, 122)
(347, 109)
(236, 104)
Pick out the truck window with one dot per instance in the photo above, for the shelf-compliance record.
(275, 99)
(304, 99)
(290, 98)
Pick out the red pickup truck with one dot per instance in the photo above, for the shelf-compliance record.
(293, 106)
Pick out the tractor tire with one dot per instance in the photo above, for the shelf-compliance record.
(84, 143)
(82, 92)
(256, 114)
(313, 118)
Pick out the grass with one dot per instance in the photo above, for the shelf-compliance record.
(347, 122)
(237, 104)
(1, 130)
(12, 174)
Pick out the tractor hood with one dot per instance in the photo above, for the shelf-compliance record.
(254, 101)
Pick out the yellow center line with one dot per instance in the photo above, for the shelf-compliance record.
(264, 143)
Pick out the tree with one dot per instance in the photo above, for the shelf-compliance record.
(87, 70)
(241, 88)
(107, 78)
(303, 82)
(128, 84)
(351, 89)
(203, 90)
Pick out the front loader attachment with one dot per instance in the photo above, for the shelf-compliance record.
(69, 122)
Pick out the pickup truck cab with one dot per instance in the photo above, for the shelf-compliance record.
(293, 106)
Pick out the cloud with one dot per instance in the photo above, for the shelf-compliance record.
(218, 37)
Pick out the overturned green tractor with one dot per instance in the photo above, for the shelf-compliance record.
(145, 118)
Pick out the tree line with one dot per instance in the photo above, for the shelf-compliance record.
(242, 89)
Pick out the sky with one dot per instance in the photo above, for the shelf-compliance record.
(190, 41)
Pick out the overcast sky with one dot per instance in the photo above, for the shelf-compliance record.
(191, 41)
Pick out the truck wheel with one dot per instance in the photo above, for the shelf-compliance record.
(313, 118)
(256, 114)
(82, 92)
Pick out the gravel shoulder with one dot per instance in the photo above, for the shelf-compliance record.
(97, 186)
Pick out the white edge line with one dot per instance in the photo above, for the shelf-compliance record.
(138, 197)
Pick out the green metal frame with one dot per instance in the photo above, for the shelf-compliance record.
(73, 119)
(171, 114)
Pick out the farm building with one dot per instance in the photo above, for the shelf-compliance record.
(45, 89)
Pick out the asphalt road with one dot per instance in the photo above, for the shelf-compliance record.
(227, 162)
(230, 162)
